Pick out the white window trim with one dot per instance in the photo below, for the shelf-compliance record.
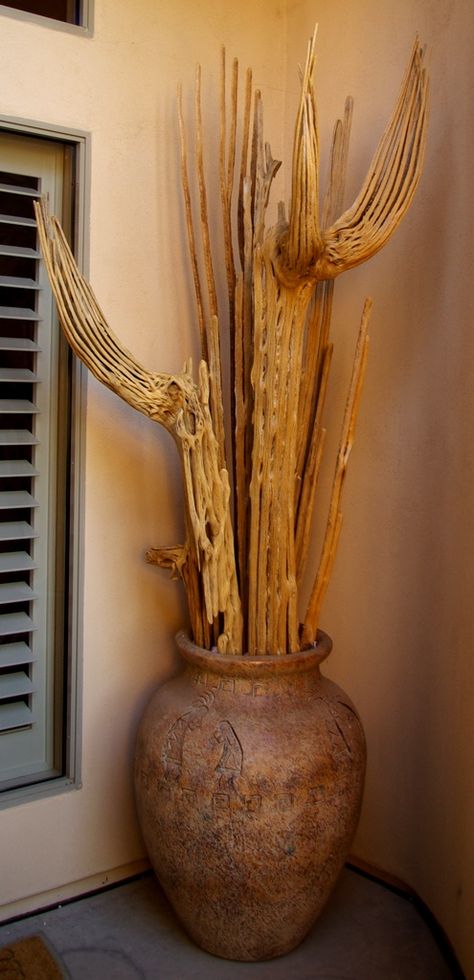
(72, 780)
(86, 29)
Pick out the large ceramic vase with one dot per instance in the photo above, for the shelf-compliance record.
(249, 775)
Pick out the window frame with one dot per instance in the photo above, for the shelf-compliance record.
(71, 779)
(85, 28)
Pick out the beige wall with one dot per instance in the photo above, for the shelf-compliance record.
(121, 86)
(400, 607)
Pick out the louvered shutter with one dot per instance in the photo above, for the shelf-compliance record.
(33, 455)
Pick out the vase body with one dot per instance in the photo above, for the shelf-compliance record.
(249, 775)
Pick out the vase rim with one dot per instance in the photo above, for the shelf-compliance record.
(300, 661)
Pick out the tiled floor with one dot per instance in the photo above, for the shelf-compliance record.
(366, 933)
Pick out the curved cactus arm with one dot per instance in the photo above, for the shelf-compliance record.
(182, 407)
(160, 396)
(304, 244)
(390, 184)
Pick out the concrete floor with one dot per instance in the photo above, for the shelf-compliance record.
(129, 932)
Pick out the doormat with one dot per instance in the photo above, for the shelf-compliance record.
(30, 959)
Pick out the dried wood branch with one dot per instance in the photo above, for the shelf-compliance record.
(243, 164)
(309, 479)
(227, 169)
(334, 517)
(205, 233)
(209, 326)
(316, 345)
(304, 238)
(390, 184)
(227, 153)
(215, 386)
(334, 197)
(190, 228)
(175, 401)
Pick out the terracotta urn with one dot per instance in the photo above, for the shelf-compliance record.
(249, 775)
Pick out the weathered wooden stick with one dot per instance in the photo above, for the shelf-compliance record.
(334, 197)
(205, 234)
(226, 170)
(316, 343)
(212, 323)
(306, 499)
(308, 496)
(243, 164)
(244, 400)
(215, 386)
(345, 446)
(190, 228)
(227, 174)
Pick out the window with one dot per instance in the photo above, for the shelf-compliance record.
(60, 12)
(35, 459)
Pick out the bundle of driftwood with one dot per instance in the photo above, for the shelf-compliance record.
(247, 535)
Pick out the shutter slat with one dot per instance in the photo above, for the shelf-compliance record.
(18, 376)
(15, 685)
(16, 623)
(16, 561)
(16, 715)
(16, 592)
(17, 437)
(16, 654)
(12, 499)
(19, 189)
(19, 344)
(20, 252)
(17, 282)
(17, 467)
(18, 313)
(17, 406)
(16, 531)
(12, 219)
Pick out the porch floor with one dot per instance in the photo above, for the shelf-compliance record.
(129, 932)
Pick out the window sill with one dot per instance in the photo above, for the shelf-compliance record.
(37, 791)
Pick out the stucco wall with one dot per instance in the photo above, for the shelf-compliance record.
(400, 606)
